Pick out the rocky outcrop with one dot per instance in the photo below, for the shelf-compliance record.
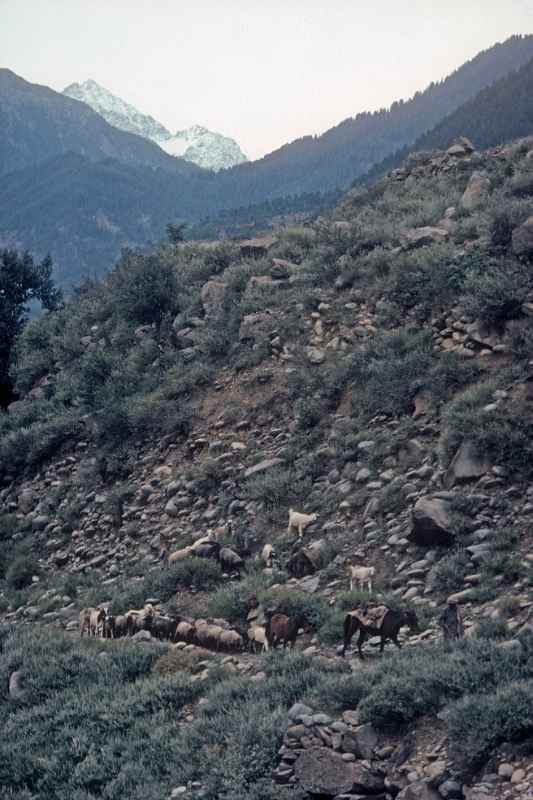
(421, 237)
(476, 192)
(213, 294)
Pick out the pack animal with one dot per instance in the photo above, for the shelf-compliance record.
(387, 629)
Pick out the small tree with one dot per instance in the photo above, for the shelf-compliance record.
(145, 288)
(21, 280)
(176, 232)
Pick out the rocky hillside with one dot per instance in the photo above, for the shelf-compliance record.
(374, 368)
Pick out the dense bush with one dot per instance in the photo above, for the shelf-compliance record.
(478, 723)
(20, 572)
(495, 291)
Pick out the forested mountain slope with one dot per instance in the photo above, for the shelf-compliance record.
(497, 114)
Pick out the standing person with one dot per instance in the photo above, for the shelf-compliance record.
(451, 623)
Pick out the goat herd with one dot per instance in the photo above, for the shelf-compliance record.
(216, 635)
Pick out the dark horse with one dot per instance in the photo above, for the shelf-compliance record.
(281, 628)
(388, 628)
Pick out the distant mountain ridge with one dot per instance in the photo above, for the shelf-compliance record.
(350, 149)
(37, 124)
(81, 189)
(197, 144)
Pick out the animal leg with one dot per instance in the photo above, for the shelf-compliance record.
(360, 642)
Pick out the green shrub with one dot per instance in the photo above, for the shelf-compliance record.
(276, 488)
(491, 629)
(292, 603)
(20, 572)
(479, 723)
(495, 293)
(385, 375)
(502, 435)
(450, 572)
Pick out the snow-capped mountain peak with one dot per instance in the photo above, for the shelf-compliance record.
(205, 148)
(197, 144)
(116, 111)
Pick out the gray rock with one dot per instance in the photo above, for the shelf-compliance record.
(427, 235)
(322, 771)
(419, 791)
(263, 466)
(432, 524)
(213, 294)
(466, 465)
(16, 692)
(451, 790)
(299, 710)
(257, 326)
(27, 501)
(39, 523)
(361, 742)
(315, 355)
(476, 191)
(523, 238)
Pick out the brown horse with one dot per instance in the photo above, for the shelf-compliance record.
(388, 628)
(281, 628)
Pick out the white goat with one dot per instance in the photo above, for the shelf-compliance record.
(360, 574)
(257, 636)
(267, 555)
(300, 521)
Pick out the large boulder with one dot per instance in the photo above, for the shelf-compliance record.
(432, 524)
(476, 191)
(323, 772)
(523, 238)
(427, 235)
(461, 147)
(466, 465)
(213, 294)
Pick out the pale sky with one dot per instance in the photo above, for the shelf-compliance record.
(262, 71)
